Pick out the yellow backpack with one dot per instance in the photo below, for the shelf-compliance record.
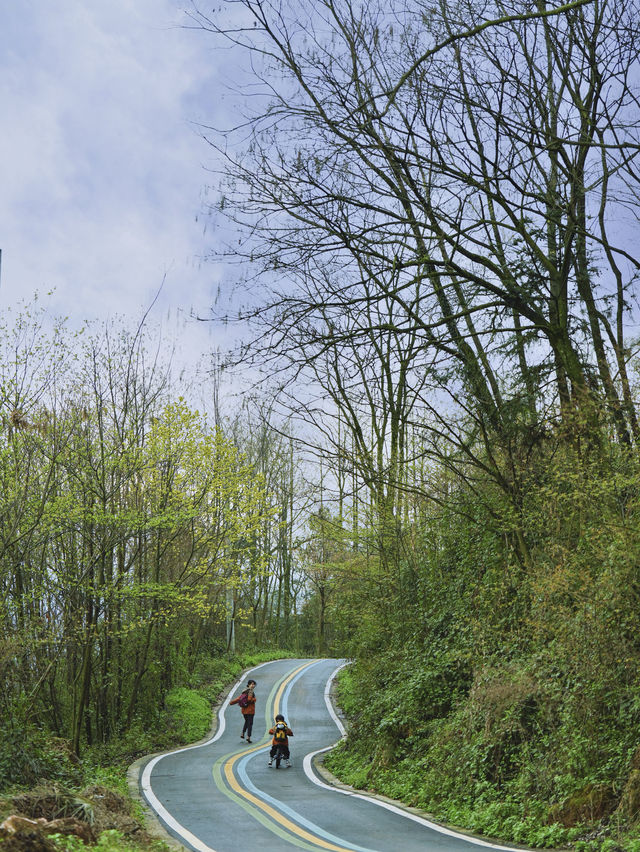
(280, 731)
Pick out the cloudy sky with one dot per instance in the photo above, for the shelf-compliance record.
(102, 164)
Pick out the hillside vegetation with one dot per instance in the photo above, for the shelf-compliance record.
(437, 472)
(501, 697)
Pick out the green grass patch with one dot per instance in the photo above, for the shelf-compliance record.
(189, 714)
(109, 841)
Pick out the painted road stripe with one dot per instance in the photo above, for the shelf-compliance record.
(434, 826)
(269, 816)
(256, 812)
(152, 799)
(281, 806)
(266, 804)
(278, 694)
(283, 809)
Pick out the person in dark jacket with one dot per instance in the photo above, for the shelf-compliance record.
(247, 702)
(280, 733)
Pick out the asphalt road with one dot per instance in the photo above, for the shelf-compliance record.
(220, 796)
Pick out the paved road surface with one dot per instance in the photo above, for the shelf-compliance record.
(221, 796)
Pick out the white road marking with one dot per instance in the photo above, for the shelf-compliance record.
(308, 770)
(145, 781)
(199, 845)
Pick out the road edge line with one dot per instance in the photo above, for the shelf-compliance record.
(313, 767)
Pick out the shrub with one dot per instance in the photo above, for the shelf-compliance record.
(189, 714)
(28, 754)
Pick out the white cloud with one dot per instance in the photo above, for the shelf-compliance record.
(100, 166)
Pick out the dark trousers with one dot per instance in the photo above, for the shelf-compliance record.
(248, 724)
(283, 747)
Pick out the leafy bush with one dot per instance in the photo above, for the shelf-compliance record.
(28, 754)
(109, 841)
(455, 767)
(189, 714)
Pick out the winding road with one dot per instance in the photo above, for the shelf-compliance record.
(220, 795)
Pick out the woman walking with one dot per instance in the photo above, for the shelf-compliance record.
(247, 702)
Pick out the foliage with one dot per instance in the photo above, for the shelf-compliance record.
(185, 717)
(28, 754)
(189, 714)
(108, 841)
(445, 303)
(512, 710)
(127, 539)
(452, 290)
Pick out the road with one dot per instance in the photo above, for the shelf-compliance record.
(220, 796)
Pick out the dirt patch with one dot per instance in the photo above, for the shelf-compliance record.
(591, 804)
(21, 830)
(111, 811)
(27, 842)
(51, 809)
(53, 802)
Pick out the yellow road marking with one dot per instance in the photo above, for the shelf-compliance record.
(278, 817)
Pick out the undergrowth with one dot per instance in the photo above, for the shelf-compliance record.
(32, 756)
(481, 777)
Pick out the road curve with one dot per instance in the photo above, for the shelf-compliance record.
(218, 795)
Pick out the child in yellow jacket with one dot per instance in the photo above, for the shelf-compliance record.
(280, 733)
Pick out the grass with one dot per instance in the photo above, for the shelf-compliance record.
(185, 718)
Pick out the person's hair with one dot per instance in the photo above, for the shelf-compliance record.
(279, 718)
(249, 682)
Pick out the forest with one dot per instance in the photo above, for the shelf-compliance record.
(436, 473)
(134, 534)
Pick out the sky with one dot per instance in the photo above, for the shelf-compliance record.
(103, 167)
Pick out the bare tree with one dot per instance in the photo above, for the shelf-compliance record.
(484, 156)
(475, 156)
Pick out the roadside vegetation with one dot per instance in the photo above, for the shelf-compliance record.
(89, 798)
(500, 697)
(438, 473)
